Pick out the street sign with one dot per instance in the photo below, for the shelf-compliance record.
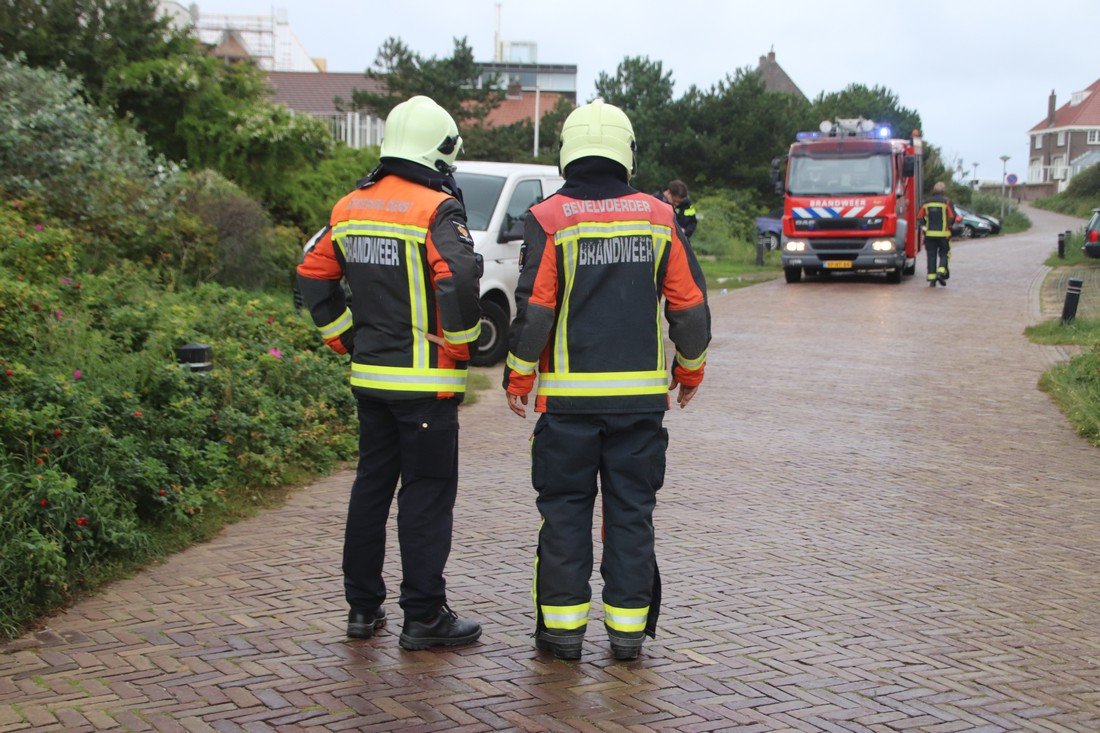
(1012, 179)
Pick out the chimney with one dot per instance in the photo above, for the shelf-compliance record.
(771, 56)
(762, 60)
(1050, 109)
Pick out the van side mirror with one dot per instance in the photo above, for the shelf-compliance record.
(512, 231)
(909, 166)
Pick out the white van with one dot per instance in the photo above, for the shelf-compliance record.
(497, 195)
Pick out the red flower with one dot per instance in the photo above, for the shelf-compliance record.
(137, 413)
(8, 372)
(162, 492)
(57, 432)
(46, 451)
(43, 502)
(271, 319)
(81, 521)
(35, 307)
(40, 460)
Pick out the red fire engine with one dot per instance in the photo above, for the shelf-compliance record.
(851, 196)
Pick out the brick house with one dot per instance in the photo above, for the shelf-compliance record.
(775, 78)
(1067, 141)
(315, 93)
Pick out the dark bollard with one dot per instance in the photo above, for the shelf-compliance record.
(1073, 295)
(196, 357)
(760, 251)
(1061, 246)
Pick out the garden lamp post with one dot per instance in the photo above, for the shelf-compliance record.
(1004, 175)
(975, 174)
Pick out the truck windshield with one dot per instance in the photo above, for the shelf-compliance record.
(480, 194)
(848, 174)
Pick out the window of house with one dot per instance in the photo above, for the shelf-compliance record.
(1094, 137)
(1058, 168)
(1038, 141)
(1061, 139)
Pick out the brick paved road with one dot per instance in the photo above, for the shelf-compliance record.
(874, 523)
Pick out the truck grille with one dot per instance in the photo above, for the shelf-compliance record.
(830, 245)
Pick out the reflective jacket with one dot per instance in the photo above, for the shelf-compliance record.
(937, 215)
(409, 262)
(594, 270)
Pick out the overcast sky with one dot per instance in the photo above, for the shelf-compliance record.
(978, 71)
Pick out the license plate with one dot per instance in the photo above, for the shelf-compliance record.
(838, 264)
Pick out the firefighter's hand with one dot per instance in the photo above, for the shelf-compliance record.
(683, 397)
(437, 340)
(516, 403)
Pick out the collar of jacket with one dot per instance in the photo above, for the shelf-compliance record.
(595, 178)
(415, 173)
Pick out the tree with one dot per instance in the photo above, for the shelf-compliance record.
(454, 82)
(87, 39)
(643, 90)
(874, 103)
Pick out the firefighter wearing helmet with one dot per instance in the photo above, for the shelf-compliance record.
(598, 258)
(937, 216)
(400, 242)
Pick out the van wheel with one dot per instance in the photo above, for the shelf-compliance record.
(492, 344)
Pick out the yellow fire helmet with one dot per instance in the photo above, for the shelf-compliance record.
(420, 130)
(601, 129)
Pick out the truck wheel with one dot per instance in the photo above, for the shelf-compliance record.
(492, 345)
(792, 274)
(893, 276)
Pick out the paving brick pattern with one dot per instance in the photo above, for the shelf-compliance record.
(873, 521)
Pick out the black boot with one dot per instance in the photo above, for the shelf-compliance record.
(626, 646)
(363, 624)
(445, 629)
(564, 644)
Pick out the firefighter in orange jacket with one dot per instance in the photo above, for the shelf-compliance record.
(937, 215)
(598, 258)
(400, 242)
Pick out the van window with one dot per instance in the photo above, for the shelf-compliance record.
(480, 194)
(526, 195)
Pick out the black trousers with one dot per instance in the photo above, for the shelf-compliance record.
(627, 453)
(416, 441)
(937, 248)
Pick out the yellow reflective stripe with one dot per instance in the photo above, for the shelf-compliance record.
(602, 229)
(337, 327)
(518, 365)
(372, 228)
(463, 337)
(408, 379)
(661, 245)
(931, 276)
(602, 384)
(689, 212)
(565, 617)
(691, 364)
(418, 305)
(569, 266)
(625, 619)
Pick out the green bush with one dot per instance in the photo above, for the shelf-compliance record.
(727, 227)
(88, 171)
(309, 193)
(106, 444)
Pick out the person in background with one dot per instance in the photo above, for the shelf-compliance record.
(937, 216)
(676, 196)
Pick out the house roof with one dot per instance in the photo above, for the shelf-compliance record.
(522, 107)
(314, 92)
(775, 79)
(1086, 113)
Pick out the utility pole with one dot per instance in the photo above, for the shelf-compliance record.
(1004, 175)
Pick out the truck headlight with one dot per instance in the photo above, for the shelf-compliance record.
(795, 245)
(882, 245)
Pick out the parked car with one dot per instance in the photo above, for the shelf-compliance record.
(769, 228)
(994, 223)
(972, 225)
(497, 195)
(1092, 235)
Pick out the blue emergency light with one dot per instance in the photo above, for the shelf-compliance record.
(807, 135)
(884, 132)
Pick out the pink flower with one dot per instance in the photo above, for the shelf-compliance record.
(58, 314)
(38, 227)
(66, 281)
(77, 374)
(137, 413)
(43, 502)
(271, 319)
(275, 352)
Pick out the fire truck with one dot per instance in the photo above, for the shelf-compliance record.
(850, 200)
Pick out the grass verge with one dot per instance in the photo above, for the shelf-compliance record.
(723, 273)
(1074, 385)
